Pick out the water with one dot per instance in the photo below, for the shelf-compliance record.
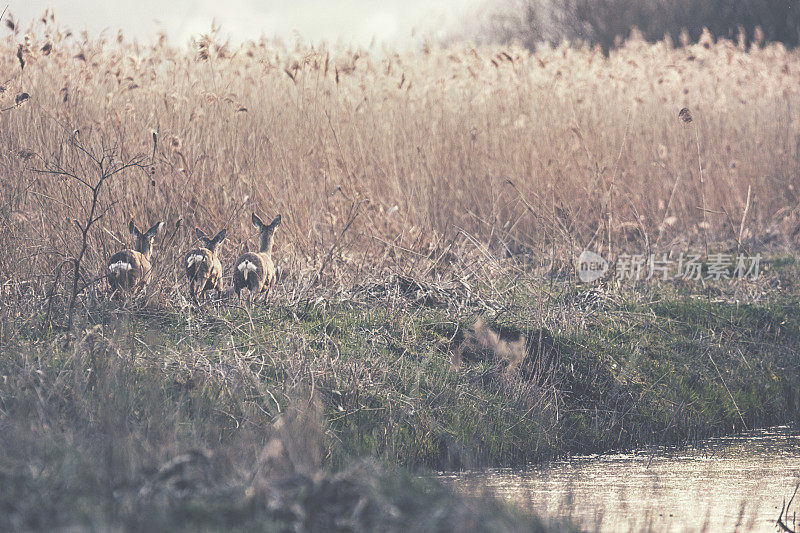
(727, 484)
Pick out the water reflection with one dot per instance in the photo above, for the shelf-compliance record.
(726, 484)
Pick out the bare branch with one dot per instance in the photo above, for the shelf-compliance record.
(785, 510)
(99, 166)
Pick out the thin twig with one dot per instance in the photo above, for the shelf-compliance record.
(702, 188)
(727, 390)
(350, 219)
(741, 225)
(785, 509)
(666, 211)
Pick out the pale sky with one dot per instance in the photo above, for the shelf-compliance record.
(335, 21)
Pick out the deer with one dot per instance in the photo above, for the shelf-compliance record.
(203, 267)
(256, 271)
(129, 270)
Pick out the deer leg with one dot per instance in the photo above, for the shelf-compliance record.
(249, 299)
(266, 293)
(193, 292)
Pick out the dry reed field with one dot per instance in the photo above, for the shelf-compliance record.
(384, 161)
(426, 314)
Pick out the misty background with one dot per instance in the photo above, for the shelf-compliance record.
(358, 22)
(400, 23)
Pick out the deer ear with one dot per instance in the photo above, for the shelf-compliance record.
(152, 232)
(133, 229)
(219, 237)
(276, 222)
(200, 234)
(257, 221)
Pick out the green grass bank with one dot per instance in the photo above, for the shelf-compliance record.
(154, 415)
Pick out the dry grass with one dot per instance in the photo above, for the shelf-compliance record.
(396, 161)
(95, 440)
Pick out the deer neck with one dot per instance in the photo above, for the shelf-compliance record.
(267, 242)
(146, 249)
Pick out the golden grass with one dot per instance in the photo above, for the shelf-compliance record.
(376, 157)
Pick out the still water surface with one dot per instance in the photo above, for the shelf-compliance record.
(726, 484)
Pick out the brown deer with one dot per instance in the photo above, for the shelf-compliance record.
(129, 270)
(256, 271)
(203, 267)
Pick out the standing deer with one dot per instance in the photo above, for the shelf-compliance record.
(129, 270)
(203, 267)
(256, 271)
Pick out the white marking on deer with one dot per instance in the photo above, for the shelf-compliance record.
(195, 260)
(119, 265)
(245, 267)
